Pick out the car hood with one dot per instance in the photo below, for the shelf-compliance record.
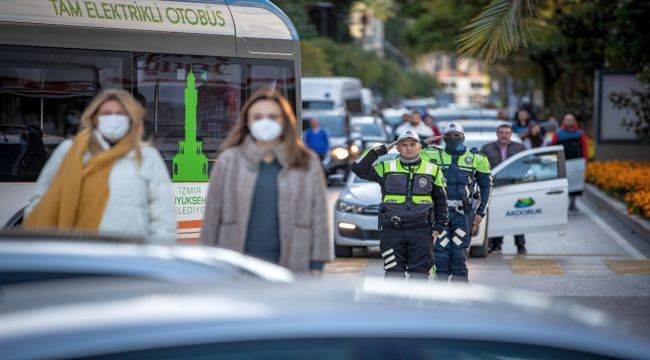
(337, 142)
(366, 193)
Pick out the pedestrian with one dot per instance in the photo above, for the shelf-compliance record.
(413, 211)
(575, 146)
(523, 121)
(106, 179)
(549, 127)
(416, 125)
(430, 122)
(267, 194)
(317, 139)
(497, 152)
(534, 138)
(463, 168)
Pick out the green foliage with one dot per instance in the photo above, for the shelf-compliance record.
(499, 28)
(436, 24)
(314, 61)
(384, 76)
(296, 11)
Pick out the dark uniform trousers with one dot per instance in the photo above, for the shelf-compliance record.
(451, 246)
(407, 250)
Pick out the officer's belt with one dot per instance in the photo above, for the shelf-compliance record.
(397, 216)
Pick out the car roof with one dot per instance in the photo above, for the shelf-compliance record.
(170, 263)
(77, 317)
(316, 113)
(475, 122)
(363, 120)
(395, 112)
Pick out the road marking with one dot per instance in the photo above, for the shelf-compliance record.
(536, 267)
(618, 239)
(345, 266)
(629, 267)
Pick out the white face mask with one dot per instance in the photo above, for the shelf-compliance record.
(113, 127)
(266, 130)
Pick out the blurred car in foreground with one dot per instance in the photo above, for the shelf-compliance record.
(373, 319)
(529, 195)
(26, 258)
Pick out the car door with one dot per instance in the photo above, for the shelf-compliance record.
(530, 193)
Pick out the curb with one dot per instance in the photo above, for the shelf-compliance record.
(617, 208)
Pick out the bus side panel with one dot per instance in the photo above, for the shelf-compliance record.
(15, 196)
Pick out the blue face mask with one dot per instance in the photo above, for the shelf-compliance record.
(454, 144)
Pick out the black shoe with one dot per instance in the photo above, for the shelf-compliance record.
(521, 250)
(495, 249)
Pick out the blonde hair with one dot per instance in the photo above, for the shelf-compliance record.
(296, 152)
(133, 110)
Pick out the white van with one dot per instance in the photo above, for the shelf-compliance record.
(367, 101)
(329, 93)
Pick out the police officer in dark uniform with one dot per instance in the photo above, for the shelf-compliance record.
(462, 168)
(413, 210)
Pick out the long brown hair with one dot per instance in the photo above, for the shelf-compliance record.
(296, 152)
(133, 110)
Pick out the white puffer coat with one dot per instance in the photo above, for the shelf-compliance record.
(140, 197)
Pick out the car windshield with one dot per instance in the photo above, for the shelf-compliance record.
(317, 105)
(367, 129)
(334, 124)
(479, 129)
(394, 120)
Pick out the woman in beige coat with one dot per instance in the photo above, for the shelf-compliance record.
(267, 194)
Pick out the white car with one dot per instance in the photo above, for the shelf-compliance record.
(453, 113)
(529, 195)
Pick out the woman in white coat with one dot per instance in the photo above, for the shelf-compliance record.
(106, 180)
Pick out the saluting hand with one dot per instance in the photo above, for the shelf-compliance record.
(431, 139)
(391, 145)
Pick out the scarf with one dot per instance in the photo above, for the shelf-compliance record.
(77, 196)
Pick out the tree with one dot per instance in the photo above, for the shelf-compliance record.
(313, 60)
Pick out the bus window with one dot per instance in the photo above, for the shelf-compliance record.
(43, 93)
(161, 83)
(278, 77)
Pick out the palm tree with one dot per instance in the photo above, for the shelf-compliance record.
(502, 26)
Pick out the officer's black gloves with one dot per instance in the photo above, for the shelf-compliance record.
(380, 150)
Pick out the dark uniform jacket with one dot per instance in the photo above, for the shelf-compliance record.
(364, 168)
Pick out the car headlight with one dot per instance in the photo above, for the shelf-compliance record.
(349, 207)
(354, 149)
(340, 153)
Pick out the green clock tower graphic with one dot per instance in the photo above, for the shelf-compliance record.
(190, 163)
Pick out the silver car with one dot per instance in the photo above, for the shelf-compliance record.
(372, 319)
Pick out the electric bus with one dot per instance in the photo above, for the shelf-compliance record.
(56, 55)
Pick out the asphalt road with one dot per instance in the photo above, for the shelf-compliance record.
(597, 262)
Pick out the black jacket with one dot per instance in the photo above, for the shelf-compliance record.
(493, 153)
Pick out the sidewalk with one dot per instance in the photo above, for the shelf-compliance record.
(617, 208)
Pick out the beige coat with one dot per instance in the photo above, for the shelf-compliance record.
(303, 211)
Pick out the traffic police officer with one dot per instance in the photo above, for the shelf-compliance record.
(413, 210)
(463, 169)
